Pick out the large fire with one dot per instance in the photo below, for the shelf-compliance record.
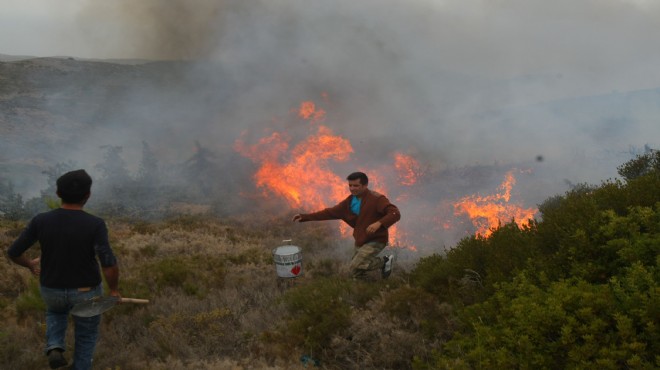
(301, 174)
(487, 212)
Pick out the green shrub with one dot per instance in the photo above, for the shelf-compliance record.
(642, 165)
(469, 271)
(634, 237)
(598, 248)
(420, 311)
(508, 251)
(445, 276)
(573, 324)
(318, 311)
(575, 236)
(643, 191)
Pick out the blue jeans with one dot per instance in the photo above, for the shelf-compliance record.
(58, 304)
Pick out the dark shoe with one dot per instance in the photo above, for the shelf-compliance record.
(388, 262)
(56, 358)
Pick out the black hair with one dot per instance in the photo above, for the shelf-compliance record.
(364, 180)
(74, 186)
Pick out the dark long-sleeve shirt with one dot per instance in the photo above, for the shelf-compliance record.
(373, 207)
(70, 240)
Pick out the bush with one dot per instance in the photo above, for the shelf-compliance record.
(317, 312)
(573, 324)
(577, 230)
(420, 311)
(469, 271)
(642, 165)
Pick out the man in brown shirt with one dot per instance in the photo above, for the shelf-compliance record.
(369, 214)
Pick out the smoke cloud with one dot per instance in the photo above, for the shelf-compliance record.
(453, 83)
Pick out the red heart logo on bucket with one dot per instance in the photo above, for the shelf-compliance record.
(295, 270)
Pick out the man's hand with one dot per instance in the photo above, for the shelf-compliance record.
(297, 218)
(35, 266)
(374, 227)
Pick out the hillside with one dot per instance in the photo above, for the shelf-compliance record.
(216, 301)
(576, 290)
(577, 287)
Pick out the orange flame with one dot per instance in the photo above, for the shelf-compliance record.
(300, 173)
(408, 169)
(487, 212)
(303, 179)
(399, 238)
(308, 111)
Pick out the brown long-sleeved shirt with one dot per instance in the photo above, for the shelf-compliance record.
(373, 207)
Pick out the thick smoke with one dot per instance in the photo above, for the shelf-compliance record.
(472, 82)
(432, 60)
(464, 86)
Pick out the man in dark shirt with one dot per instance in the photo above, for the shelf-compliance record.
(370, 214)
(71, 240)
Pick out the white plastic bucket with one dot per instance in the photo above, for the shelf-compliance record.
(288, 261)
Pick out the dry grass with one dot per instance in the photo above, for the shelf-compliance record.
(214, 294)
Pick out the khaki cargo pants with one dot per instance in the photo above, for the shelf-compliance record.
(365, 259)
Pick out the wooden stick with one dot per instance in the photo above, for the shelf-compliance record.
(133, 300)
